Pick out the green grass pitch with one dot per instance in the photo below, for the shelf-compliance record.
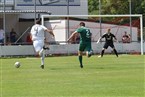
(62, 77)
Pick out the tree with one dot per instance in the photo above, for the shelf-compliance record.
(93, 6)
(117, 7)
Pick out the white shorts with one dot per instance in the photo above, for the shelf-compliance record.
(38, 45)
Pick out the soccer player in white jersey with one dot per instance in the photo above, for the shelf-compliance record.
(38, 38)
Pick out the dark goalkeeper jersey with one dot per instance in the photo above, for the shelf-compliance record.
(108, 37)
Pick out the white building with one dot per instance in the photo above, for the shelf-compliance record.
(20, 13)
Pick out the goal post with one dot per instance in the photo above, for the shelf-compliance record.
(103, 16)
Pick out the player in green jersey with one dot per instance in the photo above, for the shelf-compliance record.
(85, 42)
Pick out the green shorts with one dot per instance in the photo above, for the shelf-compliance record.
(85, 46)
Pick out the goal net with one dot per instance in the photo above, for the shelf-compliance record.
(131, 25)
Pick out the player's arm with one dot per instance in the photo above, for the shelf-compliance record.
(72, 35)
(50, 31)
(115, 38)
(99, 40)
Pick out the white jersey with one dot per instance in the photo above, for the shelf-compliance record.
(37, 32)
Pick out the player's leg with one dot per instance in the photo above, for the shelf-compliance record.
(89, 50)
(103, 49)
(89, 53)
(115, 51)
(80, 54)
(46, 46)
(102, 53)
(42, 54)
(42, 59)
(38, 45)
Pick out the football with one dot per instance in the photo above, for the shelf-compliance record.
(17, 64)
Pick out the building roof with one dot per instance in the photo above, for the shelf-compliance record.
(24, 11)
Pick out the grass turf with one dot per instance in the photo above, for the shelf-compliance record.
(62, 77)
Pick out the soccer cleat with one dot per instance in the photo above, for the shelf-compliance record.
(42, 66)
(90, 53)
(45, 48)
(81, 65)
(99, 56)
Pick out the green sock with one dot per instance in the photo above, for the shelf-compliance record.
(80, 59)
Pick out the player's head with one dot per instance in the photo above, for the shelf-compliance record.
(38, 21)
(82, 24)
(108, 30)
(125, 32)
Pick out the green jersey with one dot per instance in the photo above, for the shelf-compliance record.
(85, 34)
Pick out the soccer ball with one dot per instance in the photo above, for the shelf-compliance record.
(17, 64)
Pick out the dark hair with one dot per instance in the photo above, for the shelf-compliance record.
(82, 24)
(38, 21)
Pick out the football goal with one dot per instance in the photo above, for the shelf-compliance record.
(132, 25)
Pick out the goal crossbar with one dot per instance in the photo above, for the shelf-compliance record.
(126, 15)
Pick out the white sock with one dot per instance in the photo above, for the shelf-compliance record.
(42, 57)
